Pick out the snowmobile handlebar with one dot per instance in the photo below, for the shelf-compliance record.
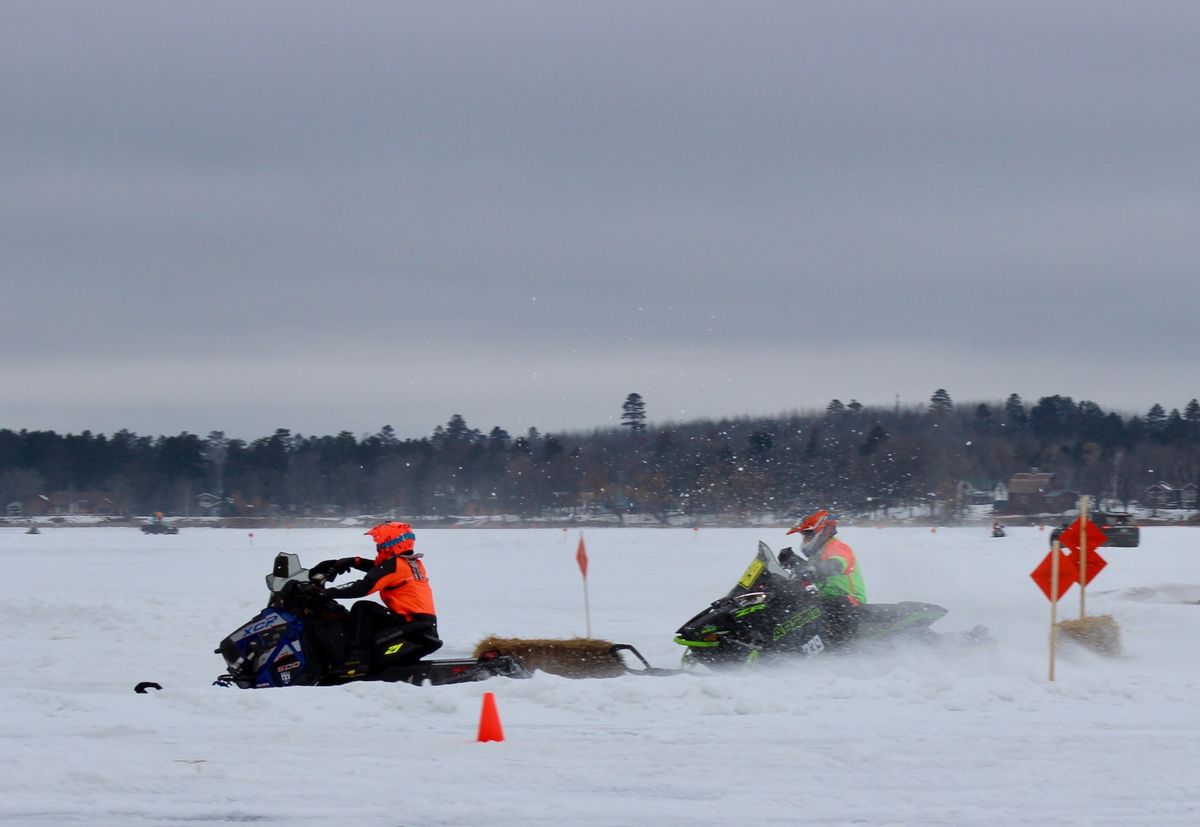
(313, 587)
(323, 572)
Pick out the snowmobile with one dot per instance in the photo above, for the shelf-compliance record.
(997, 530)
(775, 611)
(299, 638)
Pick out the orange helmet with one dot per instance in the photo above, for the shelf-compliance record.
(816, 527)
(392, 539)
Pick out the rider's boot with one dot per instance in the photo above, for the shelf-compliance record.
(356, 665)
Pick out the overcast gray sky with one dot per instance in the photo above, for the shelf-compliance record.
(325, 217)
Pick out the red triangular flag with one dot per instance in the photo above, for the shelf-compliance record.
(1068, 573)
(581, 557)
(1094, 563)
(1070, 538)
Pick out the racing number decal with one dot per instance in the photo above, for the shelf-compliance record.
(391, 650)
(815, 646)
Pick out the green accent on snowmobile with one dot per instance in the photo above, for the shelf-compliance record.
(700, 644)
(750, 609)
(752, 658)
(795, 622)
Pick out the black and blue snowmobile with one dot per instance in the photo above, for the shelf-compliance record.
(776, 611)
(299, 639)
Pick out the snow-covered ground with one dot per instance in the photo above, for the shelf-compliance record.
(916, 736)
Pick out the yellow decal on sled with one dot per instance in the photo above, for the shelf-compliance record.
(391, 650)
(751, 574)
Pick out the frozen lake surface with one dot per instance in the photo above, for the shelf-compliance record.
(914, 736)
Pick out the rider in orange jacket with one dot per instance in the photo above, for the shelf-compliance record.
(398, 575)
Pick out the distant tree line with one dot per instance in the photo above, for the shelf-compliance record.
(852, 457)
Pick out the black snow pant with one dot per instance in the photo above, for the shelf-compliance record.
(369, 621)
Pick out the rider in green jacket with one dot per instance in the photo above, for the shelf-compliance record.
(839, 579)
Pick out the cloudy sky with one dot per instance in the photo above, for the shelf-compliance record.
(325, 217)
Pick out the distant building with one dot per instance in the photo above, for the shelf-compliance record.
(1000, 497)
(1037, 492)
(68, 503)
(1165, 495)
(210, 504)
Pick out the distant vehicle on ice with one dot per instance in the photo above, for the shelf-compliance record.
(1118, 526)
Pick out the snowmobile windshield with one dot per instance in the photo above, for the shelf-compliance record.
(287, 568)
(756, 575)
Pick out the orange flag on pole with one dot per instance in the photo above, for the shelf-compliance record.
(581, 557)
(1068, 574)
(1078, 532)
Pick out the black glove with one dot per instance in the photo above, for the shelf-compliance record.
(329, 569)
(787, 557)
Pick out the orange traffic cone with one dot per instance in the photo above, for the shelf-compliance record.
(489, 720)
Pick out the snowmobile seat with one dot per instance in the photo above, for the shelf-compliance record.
(417, 642)
(890, 613)
(879, 612)
(885, 620)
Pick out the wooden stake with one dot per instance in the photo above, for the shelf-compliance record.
(587, 611)
(1083, 550)
(1054, 552)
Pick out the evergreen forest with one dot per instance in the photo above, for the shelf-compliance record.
(856, 459)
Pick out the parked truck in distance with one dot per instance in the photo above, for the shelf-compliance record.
(1119, 526)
